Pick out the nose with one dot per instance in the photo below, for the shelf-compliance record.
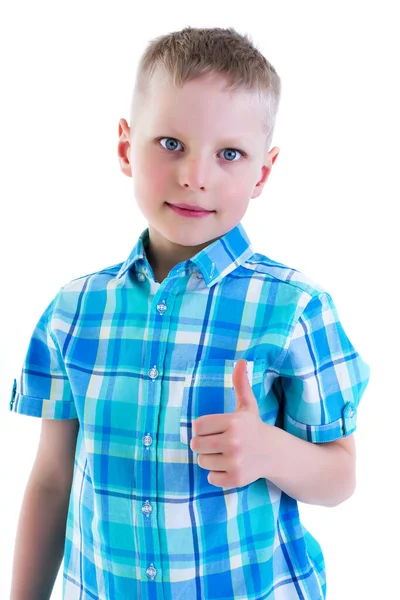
(193, 174)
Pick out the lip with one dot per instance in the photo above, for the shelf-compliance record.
(191, 207)
(187, 212)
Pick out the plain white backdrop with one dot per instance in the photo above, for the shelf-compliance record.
(328, 209)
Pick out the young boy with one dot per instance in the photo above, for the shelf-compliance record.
(193, 394)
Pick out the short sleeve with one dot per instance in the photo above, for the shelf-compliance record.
(322, 377)
(43, 389)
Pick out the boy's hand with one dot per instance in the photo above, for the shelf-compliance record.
(236, 447)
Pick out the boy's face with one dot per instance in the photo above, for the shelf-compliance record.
(197, 145)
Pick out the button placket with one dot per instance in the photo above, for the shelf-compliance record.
(147, 509)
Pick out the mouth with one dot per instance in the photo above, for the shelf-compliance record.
(190, 207)
(189, 212)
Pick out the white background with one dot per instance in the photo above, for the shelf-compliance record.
(328, 209)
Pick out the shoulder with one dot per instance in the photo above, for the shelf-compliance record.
(290, 277)
(69, 296)
(96, 281)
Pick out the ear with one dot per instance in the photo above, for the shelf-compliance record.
(266, 168)
(124, 145)
(273, 154)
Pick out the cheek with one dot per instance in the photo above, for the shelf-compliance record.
(150, 179)
(237, 190)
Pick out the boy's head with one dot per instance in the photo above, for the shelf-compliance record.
(202, 118)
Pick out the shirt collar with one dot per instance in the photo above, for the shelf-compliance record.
(214, 262)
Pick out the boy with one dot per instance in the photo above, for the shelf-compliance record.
(193, 394)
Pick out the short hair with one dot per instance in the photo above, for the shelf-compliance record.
(192, 52)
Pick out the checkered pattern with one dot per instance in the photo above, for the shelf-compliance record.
(137, 362)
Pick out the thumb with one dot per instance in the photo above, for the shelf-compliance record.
(245, 399)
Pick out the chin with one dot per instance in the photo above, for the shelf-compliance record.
(188, 238)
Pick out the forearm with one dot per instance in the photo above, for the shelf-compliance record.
(321, 474)
(39, 545)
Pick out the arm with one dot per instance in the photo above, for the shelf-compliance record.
(40, 538)
(321, 381)
(313, 473)
(39, 545)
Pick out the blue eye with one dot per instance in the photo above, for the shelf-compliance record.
(171, 145)
(174, 141)
(231, 150)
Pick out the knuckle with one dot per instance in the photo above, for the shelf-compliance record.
(235, 422)
(236, 465)
(234, 444)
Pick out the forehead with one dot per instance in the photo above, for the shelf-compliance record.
(203, 103)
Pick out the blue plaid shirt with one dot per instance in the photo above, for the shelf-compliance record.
(137, 361)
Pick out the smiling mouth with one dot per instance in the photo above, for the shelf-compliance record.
(188, 213)
(189, 208)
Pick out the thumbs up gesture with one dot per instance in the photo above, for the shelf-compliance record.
(234, 446)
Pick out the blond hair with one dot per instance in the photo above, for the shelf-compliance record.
(192, 52)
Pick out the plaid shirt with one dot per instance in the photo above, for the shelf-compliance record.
(137, 361)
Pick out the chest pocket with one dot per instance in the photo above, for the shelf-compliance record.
(208, 390)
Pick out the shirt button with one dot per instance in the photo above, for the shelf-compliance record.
(199, 275)
(147, 440)
(141, 277)
(147, 508)
(162, 307)
(151, 572)
(153, 373)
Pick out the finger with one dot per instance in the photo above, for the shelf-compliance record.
(212, 462)
(211, 424)
(208, 444)
(220, 479)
